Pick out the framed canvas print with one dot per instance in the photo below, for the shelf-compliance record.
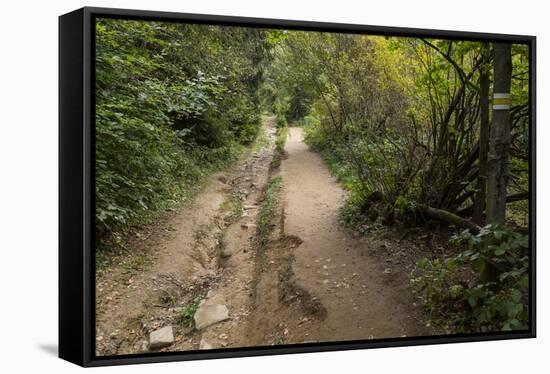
(238, 186)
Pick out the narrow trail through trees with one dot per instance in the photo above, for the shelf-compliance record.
(198, 248)
(333, 264)
(311, 280)
(405, 212)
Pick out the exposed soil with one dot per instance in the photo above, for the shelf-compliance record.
(359, 298)
(310, 280)
(186, 254)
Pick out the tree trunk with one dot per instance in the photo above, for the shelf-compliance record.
(499, 147)
(479, 206)
(497, 161)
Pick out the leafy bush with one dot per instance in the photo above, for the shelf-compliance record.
(174, 103)
(282, 134)
(281, 120)
(496, 298)
(397, 116)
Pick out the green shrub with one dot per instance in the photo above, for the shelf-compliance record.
(282, 134)
(496, 298)
(166, 116)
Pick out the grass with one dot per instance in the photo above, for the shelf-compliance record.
(269, 204)
(185, 314)
(232, 204)
(267, 209)
(130, 261)
(136, 261)
(282, 134)
(261, 140)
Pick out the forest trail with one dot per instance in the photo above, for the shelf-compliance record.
(310, 280)
(274, 249)
(331, 285)
(201, 248)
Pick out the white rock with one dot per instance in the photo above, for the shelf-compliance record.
(209, 314)
(144, 346)
(161, 338)
(204, 344)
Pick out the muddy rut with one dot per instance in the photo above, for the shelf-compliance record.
(307, 279)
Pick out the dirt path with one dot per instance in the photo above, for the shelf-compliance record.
(360, 299)
(202, 248)
(309, 280)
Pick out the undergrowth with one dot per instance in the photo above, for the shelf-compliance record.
(482, 289)
(269, 204)
(185, 314)
(282, 134)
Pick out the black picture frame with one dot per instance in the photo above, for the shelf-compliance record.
(76, 186)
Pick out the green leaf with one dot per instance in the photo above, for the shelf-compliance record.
(451, 264)
(515, 295)
(499, 251)
(523, 282)
(479, 265)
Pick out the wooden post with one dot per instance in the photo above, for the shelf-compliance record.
(498, 158)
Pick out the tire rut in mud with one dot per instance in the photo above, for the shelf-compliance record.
(278, 301)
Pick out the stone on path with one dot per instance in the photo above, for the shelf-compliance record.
(204, 344)
(209, 314)
(161, 338)
(144, 346)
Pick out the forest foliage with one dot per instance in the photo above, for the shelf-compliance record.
(405, 124)
(173, 103)
(399, 116)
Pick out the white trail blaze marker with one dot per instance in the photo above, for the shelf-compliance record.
(501, 101)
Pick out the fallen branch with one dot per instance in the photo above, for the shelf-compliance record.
(517, 197)
(465, 196)
(445, 216)
(468, 211)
